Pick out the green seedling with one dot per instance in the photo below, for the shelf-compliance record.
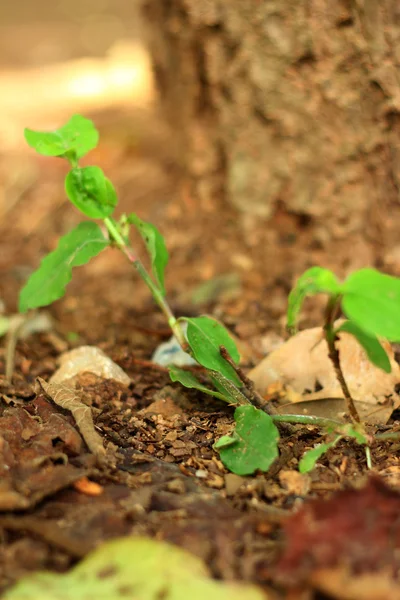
(94, 195)
(368, 298)
(370, 301)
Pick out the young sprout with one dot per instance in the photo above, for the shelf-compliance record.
(369, 299)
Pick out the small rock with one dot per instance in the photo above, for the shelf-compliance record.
(233, 483)
(176, 486)
(88, 359)
(170, 353)
(294, 482)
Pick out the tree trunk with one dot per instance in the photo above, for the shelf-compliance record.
(286, 103)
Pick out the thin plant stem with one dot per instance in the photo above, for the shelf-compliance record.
(368, 457)
(306, 420)
(388, 437)
(16, 325)
(250, 392)
(173, 322)
(333, 354)
(156, 293)
(238, 397)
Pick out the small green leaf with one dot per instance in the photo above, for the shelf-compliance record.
(371, 300)
(355, 431)
(226, 441)
(188, 380)
(373, 348)
(308, 460)
(132, 568)
(314, 281)
(5, 323)
(155, 245)
(254, 442)
(205, 336)
(78, 136)
(48, 283)
(91, 192)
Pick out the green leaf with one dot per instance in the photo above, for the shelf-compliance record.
(225, 441)
(5, 323)
(188, 380)
(308, 460)
(372, 300)
(313, 281)
(254, 442)
(91, 192)
(226, 387)
(205, 336)
(78, 136)
(355, 431)
(133, 568)
(373, 348)
(155, 245)
(48, 283)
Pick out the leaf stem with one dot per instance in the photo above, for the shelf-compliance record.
(232, 391)
(249, 390)
(388, 436)
(157, 295)
(333, 353)
(306, 420)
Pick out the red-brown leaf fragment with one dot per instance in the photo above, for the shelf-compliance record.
(357, 530)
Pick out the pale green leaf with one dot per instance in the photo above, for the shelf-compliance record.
(91, 192)
(48, 283)
(313, 281)
(133, 568)
(254, 442)
(225, 441)
(373, 348)
(372, 300)
(187, 379)
(155, 245)
(5, 323)
(355, 431)
(78, 137)
(309, 459)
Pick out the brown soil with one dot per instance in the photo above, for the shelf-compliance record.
(168, 481)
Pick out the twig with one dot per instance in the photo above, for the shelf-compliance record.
(16, 324)
(249, 389)
(306, 420)
(331, 339)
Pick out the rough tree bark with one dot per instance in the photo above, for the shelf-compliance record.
(290, 103)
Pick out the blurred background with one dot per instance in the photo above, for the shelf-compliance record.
(260, 139)
(57, 58)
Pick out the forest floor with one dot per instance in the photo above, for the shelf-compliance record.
(168, 482)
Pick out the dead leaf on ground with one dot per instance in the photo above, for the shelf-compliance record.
(341, 543)
(302, 365)
(34, 452)
(67, 398)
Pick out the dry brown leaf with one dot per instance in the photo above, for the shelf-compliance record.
(69, 399)
(302, 365)
(346, 545)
